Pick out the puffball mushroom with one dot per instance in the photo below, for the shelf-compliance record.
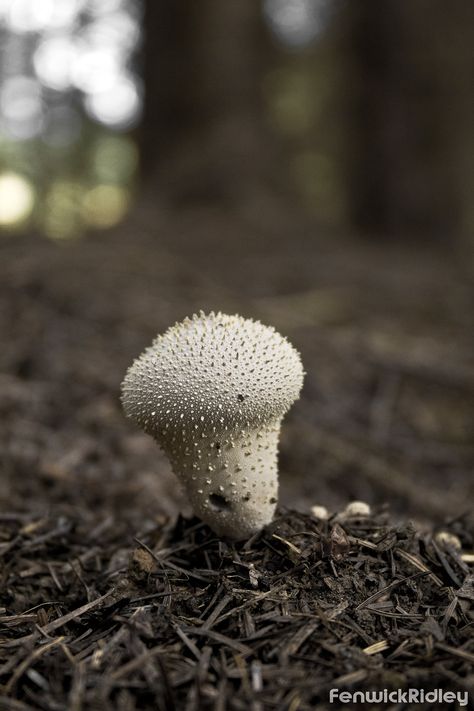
(213, 391)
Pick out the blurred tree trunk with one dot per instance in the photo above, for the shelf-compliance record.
(203, 133)
(409, 66)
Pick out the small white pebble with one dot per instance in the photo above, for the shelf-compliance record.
(356, 508)
(447, 538)
(320, 512)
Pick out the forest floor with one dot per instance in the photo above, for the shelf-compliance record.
(108, 600)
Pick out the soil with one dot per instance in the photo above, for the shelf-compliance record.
(178, 619)
(109, 599)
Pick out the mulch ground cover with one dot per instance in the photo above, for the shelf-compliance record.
(174, 618)
(109, 600)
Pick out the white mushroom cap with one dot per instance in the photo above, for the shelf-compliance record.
(212, 391)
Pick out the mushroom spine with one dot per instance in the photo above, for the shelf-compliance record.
(212, 391)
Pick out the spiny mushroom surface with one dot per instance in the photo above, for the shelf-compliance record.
(212, 391)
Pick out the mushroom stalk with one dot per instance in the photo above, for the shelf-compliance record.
(213, 391)
(238, 493)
